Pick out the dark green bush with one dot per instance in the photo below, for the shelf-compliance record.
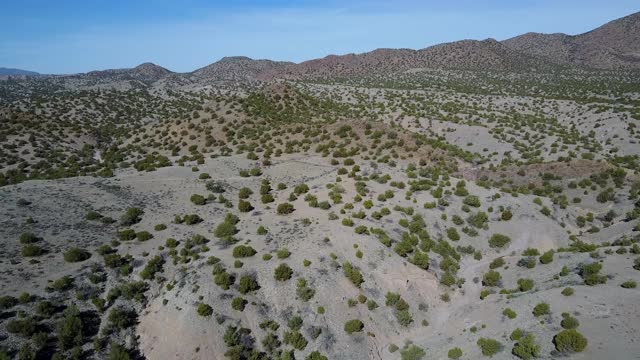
(131, 216)
(526, 348)
(568, 341)
(489, 347)
(352, 326)
(499, 241)
(247, 284)
(197, 199)
(153, 266)
(238, 304)
(352, 274)
(32, 250)
(541, 309)
(284, 209)
(491, 278)
(76, 255)
(242, 251)
(283, 272)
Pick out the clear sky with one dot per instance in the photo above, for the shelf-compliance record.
(68, 36)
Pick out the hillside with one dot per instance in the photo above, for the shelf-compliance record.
(615, 45)
(9, 71)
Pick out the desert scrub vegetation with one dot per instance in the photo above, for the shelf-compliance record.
(132, 216)
(352, 274)
(75, 254)
(499, 241)
(526, 348)
(590, 273)
(352, 326)
(227, 228)
(489, 347)
(412, 352)
(285, 209)
(197, 199)
(569, 341)
(454, 353)
(242, 251)
(204, 310)
(283, 272)
(541, 309)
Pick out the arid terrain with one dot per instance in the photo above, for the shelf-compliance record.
(476, 199)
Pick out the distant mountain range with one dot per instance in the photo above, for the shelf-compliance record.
(9, 71)
(613, 46)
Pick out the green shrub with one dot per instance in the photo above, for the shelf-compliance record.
(7, 302)
(489, 347)
(244, 193)
(24, 327)
(304, 292)
(629, 284)
(283, 272)
(590, 273)
(62, 284)
(569, 322)
(478, 219)
(568, 341)
(238, 304)
(227, 228)
(75, 254)
(131, 216)
(352, 274)
(420, 260)
(541, 309)
(118, 352)
(352, 326)
(455, 353)
(315, 355)
(191, 219)
(204, 310)
(526, 348)
(224, 280)
(295, 339)
(452, 234)
(243, 251)
(283, 253)
(496, 263)
(28, 238)
(69, 329)
(491, 278)
(516, 334)
(216, 187)
(567, 291)
(412, 352)
(284, 209)
(126, 234)
(198, 199)
(509, 313)
(547, 257)
(247, 284)
(32, 250)
(154, 266)
(525, 284)
(244, 206)
(499, 241)
(121, 318)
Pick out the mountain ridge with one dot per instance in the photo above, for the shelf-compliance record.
(614, 45)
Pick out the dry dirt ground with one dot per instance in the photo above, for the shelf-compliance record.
(169, 327)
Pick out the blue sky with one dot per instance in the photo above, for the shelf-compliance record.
(68, 36)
